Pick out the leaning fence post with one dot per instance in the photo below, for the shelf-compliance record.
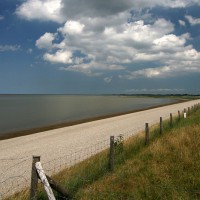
(111, 155)
(171, 123)
(34, 179)
(146, 133)
(161, 126)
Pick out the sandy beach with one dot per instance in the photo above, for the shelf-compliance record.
(16, 153)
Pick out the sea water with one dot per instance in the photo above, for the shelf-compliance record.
(22, 112)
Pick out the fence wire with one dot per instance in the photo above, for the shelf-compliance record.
(13, 177)
(11, 183)
(21, 181)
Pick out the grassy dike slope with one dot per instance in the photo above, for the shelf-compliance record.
(169, 168)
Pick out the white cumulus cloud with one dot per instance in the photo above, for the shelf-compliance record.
(45, 41)
(193, 21)
(43, 10)
(72, 27)
(181, 22)
(61, 56)
(98, 36)
(63, 10)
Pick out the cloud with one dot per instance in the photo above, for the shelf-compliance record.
(72, 27)
(45, 41)
(177, 69)
(30, 51)
(9, 48)
(43, 10)
(61, 56)
(108, 79)
(2, 17)
(119, 44)
(112, 46)
(62, 10)
(99, 36)
(181, 22)
(92, 68)
(193, 21)
(159, 90)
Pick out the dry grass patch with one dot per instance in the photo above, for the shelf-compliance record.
(168, 169)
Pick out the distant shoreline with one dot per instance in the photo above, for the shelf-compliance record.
(14, 134)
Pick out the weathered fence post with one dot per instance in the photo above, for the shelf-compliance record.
(44, 181)
(179, 115)
(111, 155)
(184, 114)
(171, 122)
(54, 185)
(146, 134)
(34, 179)
(161, 126)
(188, 111)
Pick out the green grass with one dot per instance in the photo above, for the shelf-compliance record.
(167, 168)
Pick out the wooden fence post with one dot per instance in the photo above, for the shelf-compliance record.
(188, 111)
(57, 187)
(44, 181)
(111, 155)
(34, 179)
(161, 126)
(171, 122)
(146, 133)
(184, 113)
(179, 115)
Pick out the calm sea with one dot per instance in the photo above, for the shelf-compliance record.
(21, 112)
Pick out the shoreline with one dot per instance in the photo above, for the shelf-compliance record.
(14, 134)
(73, 144)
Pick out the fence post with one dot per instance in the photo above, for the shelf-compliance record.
(179, 115)
(188, 111)
(34, 178)
(184, 113)
(111, 155)
(171, 123)
(161, 126)
(146, 133)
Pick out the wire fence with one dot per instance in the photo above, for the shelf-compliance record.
(18, 179)
(21, 181)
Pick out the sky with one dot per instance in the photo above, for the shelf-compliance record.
(99, 47)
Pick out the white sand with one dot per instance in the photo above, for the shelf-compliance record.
(16, 153)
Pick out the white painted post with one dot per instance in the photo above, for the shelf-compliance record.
(44, 180)
(184, 114)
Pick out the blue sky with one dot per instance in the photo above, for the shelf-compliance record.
(99, 47)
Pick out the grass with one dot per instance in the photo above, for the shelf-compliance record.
(167, 168)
